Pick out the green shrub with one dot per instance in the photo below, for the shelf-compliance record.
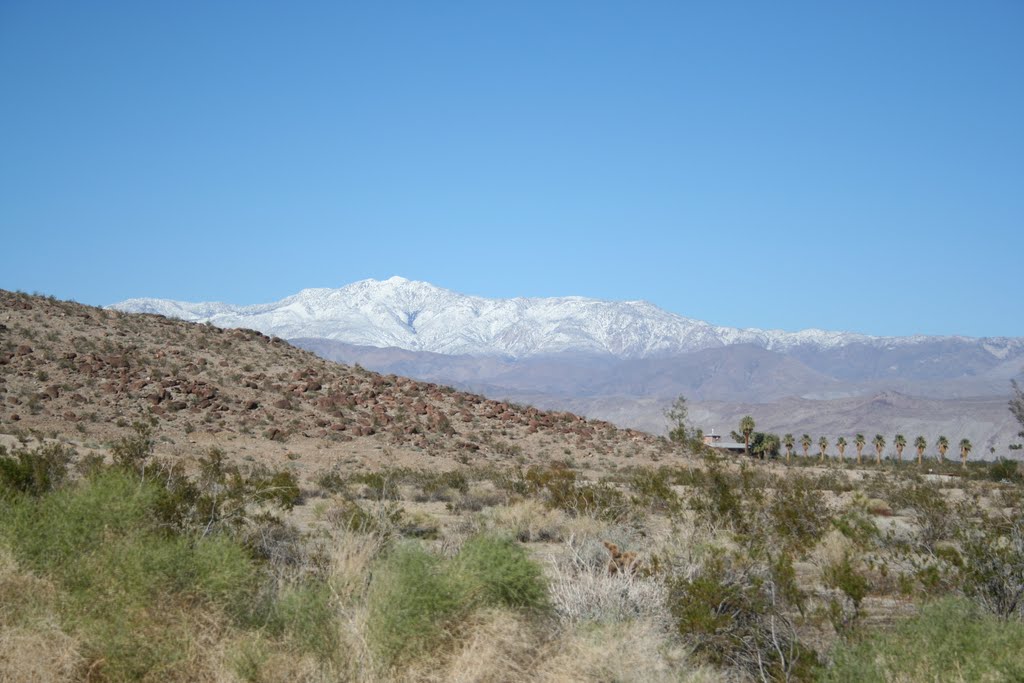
(852, 584)
(440, 486)
(304, 615)
(1004, 470)
(798, 512)
(281, 488)
(992, 566)
(411, 599)
(652, 489)
(378, 485)
(561, 490)
(35, 472)
(417, 599)
(721, 499)
(733, 612)
(129, 583)
(949, 640)
(499, 572)
(931, 512)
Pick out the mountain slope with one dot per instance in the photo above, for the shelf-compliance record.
(85, 374)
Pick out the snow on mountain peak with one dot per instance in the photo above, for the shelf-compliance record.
(419, 316)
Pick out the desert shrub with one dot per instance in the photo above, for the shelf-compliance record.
(852, 584)
(34, 472)
(479, 496)
(633, 651)
(34, 647)
(798, 513)
(303, 614)
(855, 523)
(383, 519)
(332, 482)
(410, 601)
(280, 488)
(930, 512)
(724, 499)
(949, 640)
(129, 584)
(652, 489)
(1005, 470)
(134, 451)
(223, 496)
(561, 490)
(584, 592)
(377, 485)
(417, 599)
(992, 569)
(833, 480)
(498, 571)
(441, 486)
(732, 612)
(528, 521)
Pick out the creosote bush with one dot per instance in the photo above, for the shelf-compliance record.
(734, 613)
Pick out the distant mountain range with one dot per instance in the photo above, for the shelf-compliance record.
(417, 316)
(624, 361)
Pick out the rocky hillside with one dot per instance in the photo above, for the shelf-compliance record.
(86, 374)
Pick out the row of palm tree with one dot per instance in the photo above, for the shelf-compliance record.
(859, 443)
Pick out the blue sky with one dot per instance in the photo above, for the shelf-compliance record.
(850, 166)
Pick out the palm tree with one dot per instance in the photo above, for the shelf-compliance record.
(841, 447)
(879, 443)
(900, 442)
(859, 442)
(965, 448)
(746, 429)
(822, 447)
(920, 444)
(942, 443)
(788, 442)
(805, 443)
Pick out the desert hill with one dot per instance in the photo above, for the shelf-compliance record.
(85, 374)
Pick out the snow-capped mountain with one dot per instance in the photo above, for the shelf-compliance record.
(417, 316)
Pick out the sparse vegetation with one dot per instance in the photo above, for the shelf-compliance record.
(404, 531)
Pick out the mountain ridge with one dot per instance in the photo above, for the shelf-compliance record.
(419, 316)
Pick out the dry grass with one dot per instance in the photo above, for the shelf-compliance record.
(626, 652)
(493, 646)
(33, 646)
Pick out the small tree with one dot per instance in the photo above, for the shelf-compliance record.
(788, 442)
(942, 444)
(822, 447)
(133, 452)
(679, 430)
(746, 429)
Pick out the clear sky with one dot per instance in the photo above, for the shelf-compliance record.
(855, 165)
